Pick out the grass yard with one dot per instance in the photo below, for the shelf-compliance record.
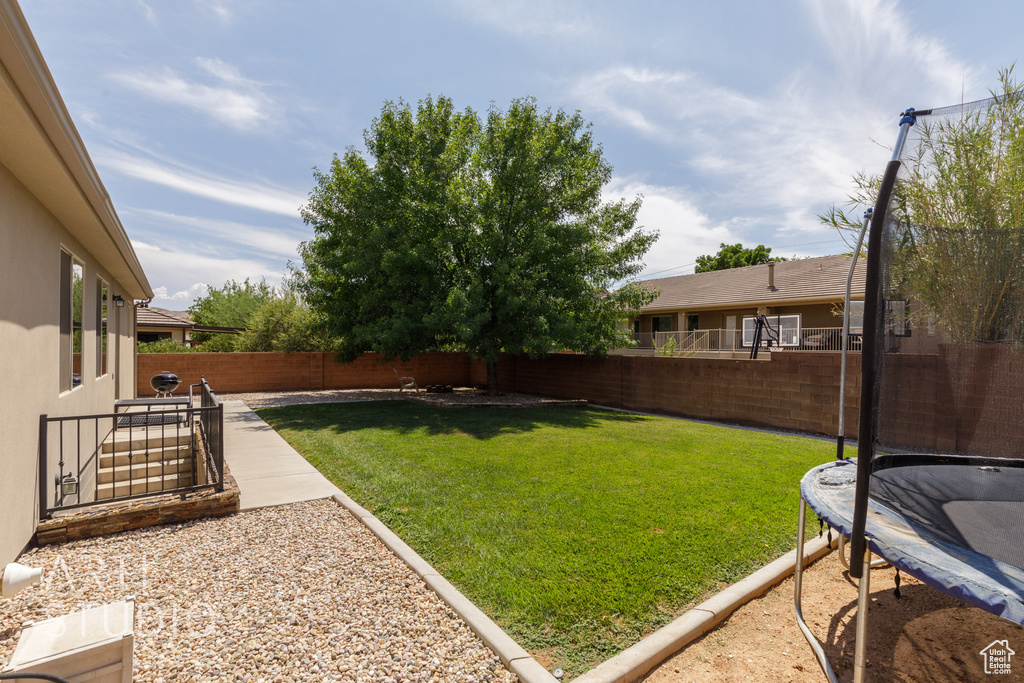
(578, 530)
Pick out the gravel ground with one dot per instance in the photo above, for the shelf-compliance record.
(461, 396)
(300, 592)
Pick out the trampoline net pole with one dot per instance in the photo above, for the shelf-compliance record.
(871, 349)
(841, 436)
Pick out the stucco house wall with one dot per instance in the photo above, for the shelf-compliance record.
(50, 199)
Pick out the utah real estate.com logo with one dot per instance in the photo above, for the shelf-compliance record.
(997, 657)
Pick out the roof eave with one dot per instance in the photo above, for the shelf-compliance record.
(43, 149)
(752, 303)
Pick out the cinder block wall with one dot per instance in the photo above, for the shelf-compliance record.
(936, 406)
(245, 372)
(796, 391)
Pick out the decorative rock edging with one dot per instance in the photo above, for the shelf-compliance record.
(134, 514)
(635, 662)
(511, 654)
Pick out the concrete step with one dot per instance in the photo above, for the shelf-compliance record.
(141, 454)
(144, 470)
(137, 439)
(148, 485)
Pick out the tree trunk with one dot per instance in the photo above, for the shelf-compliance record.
(492, 378)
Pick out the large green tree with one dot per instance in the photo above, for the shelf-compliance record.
(958, 219)
(485, 235)
(735, 256)
(229, 306)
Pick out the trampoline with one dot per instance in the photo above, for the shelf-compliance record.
(937, 488)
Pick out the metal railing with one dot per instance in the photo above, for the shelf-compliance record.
(211, 429)
(823, 339)
(689, 343)
(146, 447)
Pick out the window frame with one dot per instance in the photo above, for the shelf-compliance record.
(747, 334)
(102, 310)
(66, 320)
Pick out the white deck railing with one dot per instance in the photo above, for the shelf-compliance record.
(731, 342)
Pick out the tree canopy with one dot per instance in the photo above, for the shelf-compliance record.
(229, 306)
(735, 256)
(484, 235)
(958, 219)
(272, 319)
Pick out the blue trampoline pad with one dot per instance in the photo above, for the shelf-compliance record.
(958, 528)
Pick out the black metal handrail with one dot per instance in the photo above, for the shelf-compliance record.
(78, 443)
(211, 429)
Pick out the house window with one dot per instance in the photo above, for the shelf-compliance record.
(692, 322)
(730, 331)
(661, 323)
(70, 311)
(150, 337)
(636, 326)
(788, 327)
(896, 318)
(856, 317)
(101, 327)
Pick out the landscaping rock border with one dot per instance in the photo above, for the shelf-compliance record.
(137, 513)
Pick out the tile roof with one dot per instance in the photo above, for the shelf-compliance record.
(161, 317)
(821, 278)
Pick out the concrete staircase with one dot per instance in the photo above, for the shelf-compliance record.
(133, 462)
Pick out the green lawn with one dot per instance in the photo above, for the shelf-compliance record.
(578, 530)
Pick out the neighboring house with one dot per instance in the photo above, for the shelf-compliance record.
(803, 299)
(68, 276)
(153, 324)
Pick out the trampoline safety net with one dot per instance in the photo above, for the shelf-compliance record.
(942, 426)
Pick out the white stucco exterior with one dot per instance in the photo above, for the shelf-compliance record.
(51, 199)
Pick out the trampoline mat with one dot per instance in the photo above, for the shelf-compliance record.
(980, 508)
(958, 530)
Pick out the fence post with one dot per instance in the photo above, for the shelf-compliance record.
(220, 446)
(42, 466)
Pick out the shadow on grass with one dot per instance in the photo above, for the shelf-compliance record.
(403, 417)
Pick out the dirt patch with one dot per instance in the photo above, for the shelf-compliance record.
(924, 636)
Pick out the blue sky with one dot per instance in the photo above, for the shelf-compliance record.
(737, 121)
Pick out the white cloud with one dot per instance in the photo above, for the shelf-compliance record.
(179, 273)
(281, 242)
(232, 99)
(147, 11)
(197, 290)
(871, 42)
(253, 195)
(784, 152)
(685, 232)
(531, 17)
(217, 9)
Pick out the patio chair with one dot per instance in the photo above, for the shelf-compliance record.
(406, 382)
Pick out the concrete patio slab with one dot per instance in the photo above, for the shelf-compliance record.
(268, 471)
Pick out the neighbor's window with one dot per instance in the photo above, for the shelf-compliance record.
(896, 318)
(70, 311)
(788, 327)
(692, 323)
(856, 317)
(661, 323)
(101, 327)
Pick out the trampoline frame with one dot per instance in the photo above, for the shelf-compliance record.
(861, 545)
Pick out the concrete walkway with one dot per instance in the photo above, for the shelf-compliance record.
(268, 471)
